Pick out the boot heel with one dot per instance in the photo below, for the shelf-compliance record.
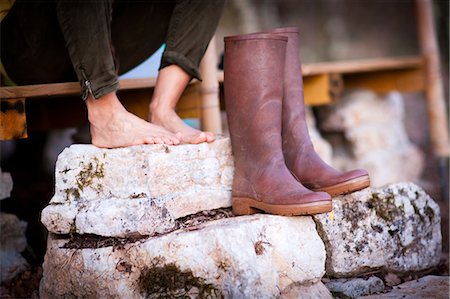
(241, 206)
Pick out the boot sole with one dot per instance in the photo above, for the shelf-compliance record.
(249, 206)
(346, 187)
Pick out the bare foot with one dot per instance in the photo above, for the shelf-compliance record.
(113, 126)
(168, 119)
(170, 84)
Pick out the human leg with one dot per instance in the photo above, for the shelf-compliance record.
(32, 47)
(170, 84)
(191, 27)
(86, 27)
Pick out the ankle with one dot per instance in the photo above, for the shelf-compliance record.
(160, 110)
(103, 108)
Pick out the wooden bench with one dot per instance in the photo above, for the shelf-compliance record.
(59, 105)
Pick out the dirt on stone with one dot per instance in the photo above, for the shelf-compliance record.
(189, 223)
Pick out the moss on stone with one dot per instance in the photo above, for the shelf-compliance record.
(385, 207)
(169, 281)
(92, 170)
(74, 192)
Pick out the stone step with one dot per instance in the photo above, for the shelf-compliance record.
(137, 190)
(396, 229)
(154, 221)
(260, 256)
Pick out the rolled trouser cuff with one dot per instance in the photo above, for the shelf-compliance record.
(172, 57)
(99, 85)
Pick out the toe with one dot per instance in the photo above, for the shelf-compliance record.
(210, 137)
(199, 138)
(158, 140)
(167, 140)
(175, 140)
(149, 140)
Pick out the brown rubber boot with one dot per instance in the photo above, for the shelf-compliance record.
(298, 149)
(254, 70)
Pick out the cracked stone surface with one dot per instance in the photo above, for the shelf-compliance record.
(259, 256)
(395, 228)
(137, 190)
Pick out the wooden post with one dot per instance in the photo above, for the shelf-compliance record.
(209, 91)
(434, 89)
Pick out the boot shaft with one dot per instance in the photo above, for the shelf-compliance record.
(293, 81)
(253, 85)
(294, 129)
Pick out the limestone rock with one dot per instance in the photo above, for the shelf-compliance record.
(321, 146)
(137, 190)
(12, 235)
(374, 135)
(314, 291)
(12, 264)
(355, 287)
(6, 184)
(436, 287)
(258, 256)
(396, 228)
(12, 243)
(361, 107)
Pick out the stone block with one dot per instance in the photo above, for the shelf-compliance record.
(436, 287)
(396, 228)
(362, 107)
(6, 184)
(373, 135)
(321, 146)
(355, 287)
(258, 256)
(12, 235)
(12, 264)
(312, 291)
(12, 243)
(137, 190)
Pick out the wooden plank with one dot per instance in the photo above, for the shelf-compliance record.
(322, 89)
(360, 66)
(13, 123)
(68, 88)
(410, 80)
(73, 88)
